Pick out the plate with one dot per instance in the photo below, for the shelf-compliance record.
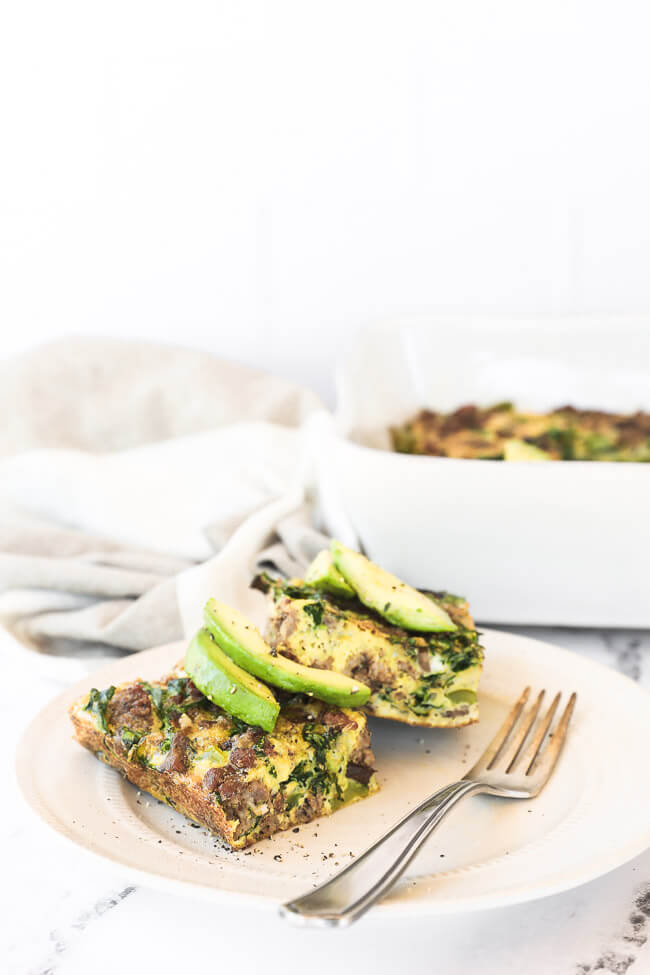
(592, 816)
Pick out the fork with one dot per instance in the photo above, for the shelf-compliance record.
(517, 764)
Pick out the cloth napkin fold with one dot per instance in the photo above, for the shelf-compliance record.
(154, 478)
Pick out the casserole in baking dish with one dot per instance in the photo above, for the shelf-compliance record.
(536, 543)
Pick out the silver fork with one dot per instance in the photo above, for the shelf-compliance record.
(517, 764)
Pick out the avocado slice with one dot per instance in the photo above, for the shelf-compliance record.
(462, 696)
(393, 599)
(323, 574)
(226, 684)
(242, 641)
(520, 450)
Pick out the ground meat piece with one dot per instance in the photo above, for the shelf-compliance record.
(464, 418)
(251, 805)
(330, 620)
(427, 416)
(181, 719)
(294, 714)
(221, 721)
(190, 692)
(256, 792)
(286, 625)
(130, 707)
(370, 670)
(287, 653)
(309, 810)
(455, 712)
(230, 786)
(631, 436)
(243, 757)
(337, 719)
(325, 664)
(246, 801)
(362, 753)
(253, 738)
(282, 624)
(360, 669)
(433, 447)
(360, 773)
(177, 757)
(249, 738)
(214, 777)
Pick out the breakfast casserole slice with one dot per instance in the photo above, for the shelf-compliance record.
(420, 678)
(240, 782)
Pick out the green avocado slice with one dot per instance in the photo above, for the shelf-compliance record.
(393, 599)
(520, 450)
(323, 574)
(226, 684)
(242, 641)
(462, 696)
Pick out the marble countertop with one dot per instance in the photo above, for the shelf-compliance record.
(64, 912)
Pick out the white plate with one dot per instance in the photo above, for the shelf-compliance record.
(592, 817)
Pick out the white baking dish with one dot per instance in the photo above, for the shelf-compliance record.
(556, 543)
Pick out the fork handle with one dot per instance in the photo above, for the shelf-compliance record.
(346, 896)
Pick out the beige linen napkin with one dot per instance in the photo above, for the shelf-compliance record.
(137, 480)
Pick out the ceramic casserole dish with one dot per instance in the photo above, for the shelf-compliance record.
(559, 543)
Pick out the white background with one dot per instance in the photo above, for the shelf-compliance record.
(258, 178)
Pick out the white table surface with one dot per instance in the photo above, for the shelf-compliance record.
(65, 912)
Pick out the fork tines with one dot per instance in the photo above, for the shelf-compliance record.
(523, 742)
